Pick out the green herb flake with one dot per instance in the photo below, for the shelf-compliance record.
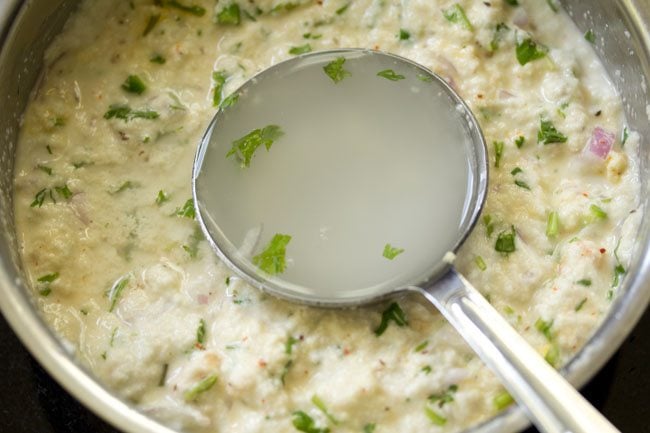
(162, 197)
(301, 49)
(424, 78)
(312, 36)
(456, 14)
(420, 347)
(125, 186)
(201, 387)
(285, 371)
(391, 75)
(200, 332)
(434, 416)
(480, 263)
(552, 224)
(552, 355)
(116, 291)
(522, 184)
(580, 304)
(512, 2)
(244, 148)
(151, 24)
(502, 401)
(499, 34)
(187, 210)
(229, 101)
(49, 149)
(39, 198)
(191, 9)
(544, 327)
(584, 282)
(369, 428)
(134, 84)
(219, 78)
(426, 369)
(48, 278)
(528, 50)
(393, 313)
(520, 141)
(229, 15)
(597, 213)
(157, 58)
(335, 71)
(548, 134)
(489, 225)
(45, 169)
(590, 36)
(304, 423)
(404, 35)
(505, 242)
(272, 259)
(342, 9)
(320, 404)
(288, 346)
(498, 152)
(391, 252)
(553, 5)
(624, 136)
(445, 397)
(124, 112)
(63, 191)
(515, 171)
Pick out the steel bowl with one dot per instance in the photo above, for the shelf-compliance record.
(28, 27)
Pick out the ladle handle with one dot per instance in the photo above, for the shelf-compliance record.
(550, 402)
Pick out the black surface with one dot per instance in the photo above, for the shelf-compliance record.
(31, 402)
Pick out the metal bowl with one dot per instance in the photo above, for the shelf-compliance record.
(27, 28)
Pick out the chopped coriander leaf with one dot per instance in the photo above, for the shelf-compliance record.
(49, 149)
(480, 263)
(369, 428)
(272, 259)
(187, 210)
(63, 191)
(116, 291)
(505, 242)
(426, 369)
(584, 282)
(124, 112)
(284, 7)
(553, 5)
(544, 327)
(512, 2)
(81, 164)
(498, 152)
(624, 137)
(301, 49)
(519, 141)
(590, 36)
(434, 416)
(424, 78)
(522, 184)
(126, 185)
(342, 9)
(597, 213)
(192, 9)
(288, 347)
(312, 36)
(200, 332)
(134, 84)
(229, 15)
(445, 397)
(393, 313)
(162, 197)
(389, 74)
(404, 35)
(320, 404)
(39, 198)
(45, 291)
(335, 71)
(552, 355)
(151, 23)
(618, 271)
(48, 278)
(548, 134)
(528, 50)
(391, 252)
(157, 58)
(580, 304)
(489, 225)
(456, 14)
(285, 370)
(515, 171)
(244, 148)
(304, 423)
(420, 347)
(229, 100)
(201, 387)
(502, 400)
(499, 34)
(219, 78)
(45, 169)
(552, 224)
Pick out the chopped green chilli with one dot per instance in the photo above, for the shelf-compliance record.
(126, 113)
(456, 14)
(548, 134)
(134, 84)
(552, 355)
(528, 50)
(480, 263)
(505, 242)
(201, 387)
(502, 401)
(498, 152)
(229, 15)
(335, 71)
(116, 291)
(544, 327)
(420, 347)
(301, 49)
(219, 78)
(515, 171)
(389, 74)
(244, 148)
(434, 416)
(522, 184)
(584, 282)
(580, 304)
(342, 9)
(272, 259)
(200, 332)
(304, 423)
(392, 314)
(552, 224)
(48, 278)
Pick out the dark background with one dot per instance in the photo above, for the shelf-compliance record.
(31, 402)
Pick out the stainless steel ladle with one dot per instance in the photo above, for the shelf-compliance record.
(550, 402)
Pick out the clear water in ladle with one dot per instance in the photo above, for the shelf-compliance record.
(365, 166)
